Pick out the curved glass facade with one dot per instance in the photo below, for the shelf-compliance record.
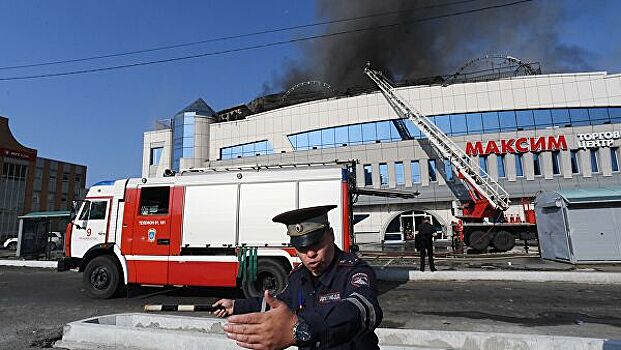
(247, 150)
(454, 125)
(183, 137)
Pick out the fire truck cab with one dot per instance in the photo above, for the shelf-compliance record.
(200, 228)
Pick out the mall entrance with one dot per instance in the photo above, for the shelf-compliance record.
(402, 227)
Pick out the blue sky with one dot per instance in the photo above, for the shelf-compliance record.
(98, 119)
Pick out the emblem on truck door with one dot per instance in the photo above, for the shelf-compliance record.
(151, 234)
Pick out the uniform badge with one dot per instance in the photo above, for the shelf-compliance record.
(329, 297)
(360, 279)
(151, 234)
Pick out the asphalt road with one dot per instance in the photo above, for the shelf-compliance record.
(36, 303)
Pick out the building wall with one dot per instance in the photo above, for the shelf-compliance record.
(157, 139)
(543, 91)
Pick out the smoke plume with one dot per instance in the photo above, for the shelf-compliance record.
(425, 48)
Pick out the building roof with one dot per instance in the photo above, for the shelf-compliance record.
(45, 214)
(8, 141)
(588, 195)
(200, 107)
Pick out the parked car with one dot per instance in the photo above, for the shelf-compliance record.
(10, 244)
(54, 242)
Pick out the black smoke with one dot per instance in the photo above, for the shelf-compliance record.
(419, 48)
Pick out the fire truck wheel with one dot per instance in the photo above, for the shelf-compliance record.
(503, 241)
(101, 277)
(270, 275)
(479, 240)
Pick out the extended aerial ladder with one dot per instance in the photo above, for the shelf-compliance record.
(481, 186)
(489, 199)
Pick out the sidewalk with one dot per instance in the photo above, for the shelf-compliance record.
(404, 266)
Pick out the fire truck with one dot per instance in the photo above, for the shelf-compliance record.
(201, 227)
(482, 220)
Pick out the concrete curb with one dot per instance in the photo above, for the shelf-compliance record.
(158, 332)
(29, 263)
(490, 341)
(391, 274)
(401, 274)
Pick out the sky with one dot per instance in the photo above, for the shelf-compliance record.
(98, 119)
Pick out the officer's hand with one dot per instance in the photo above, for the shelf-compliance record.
(226, 307)
(263, 330)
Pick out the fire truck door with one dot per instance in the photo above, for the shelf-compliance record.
(92, 225)
(151, 243)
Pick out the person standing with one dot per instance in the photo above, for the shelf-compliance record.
(329, 303)
(426, 233)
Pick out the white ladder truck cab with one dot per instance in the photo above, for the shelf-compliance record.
(482, 220)
(201, 227)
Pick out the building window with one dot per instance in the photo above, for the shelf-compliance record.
(258, 148)
(575, 162)
(537, 163)
(448, 170)
(444, 123)
(475, 125)
(594, 161)
(556, 162)
(500, 163)
(579, 116)
(525, 120)
(543, 118)
(14, 171)
(458, 124)
(483, 165)
(368, 175)
(383, 172)
(433, 170)
(183, 138)
(614, 158)
(507, 120)
(519, 169)
(490, 122)
(415, 167)
(560, 117)
(399, 173)
(156, 154)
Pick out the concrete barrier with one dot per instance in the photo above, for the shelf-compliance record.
(164, 332)
(392, 274)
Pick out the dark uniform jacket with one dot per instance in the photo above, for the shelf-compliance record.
(426, 231)
(341, 307)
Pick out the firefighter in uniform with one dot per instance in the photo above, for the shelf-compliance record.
(329, 303)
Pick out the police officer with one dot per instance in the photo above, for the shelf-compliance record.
(329, 303)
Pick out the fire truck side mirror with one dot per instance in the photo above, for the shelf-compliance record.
(75, 206)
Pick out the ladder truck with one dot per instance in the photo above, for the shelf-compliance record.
(482, 221)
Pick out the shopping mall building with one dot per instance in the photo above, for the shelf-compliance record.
(531, 132)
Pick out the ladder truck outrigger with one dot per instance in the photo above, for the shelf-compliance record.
(482, 221)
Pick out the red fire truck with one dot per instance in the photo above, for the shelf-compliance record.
(201, 227)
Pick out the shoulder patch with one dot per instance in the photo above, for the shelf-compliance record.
(360, 279)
